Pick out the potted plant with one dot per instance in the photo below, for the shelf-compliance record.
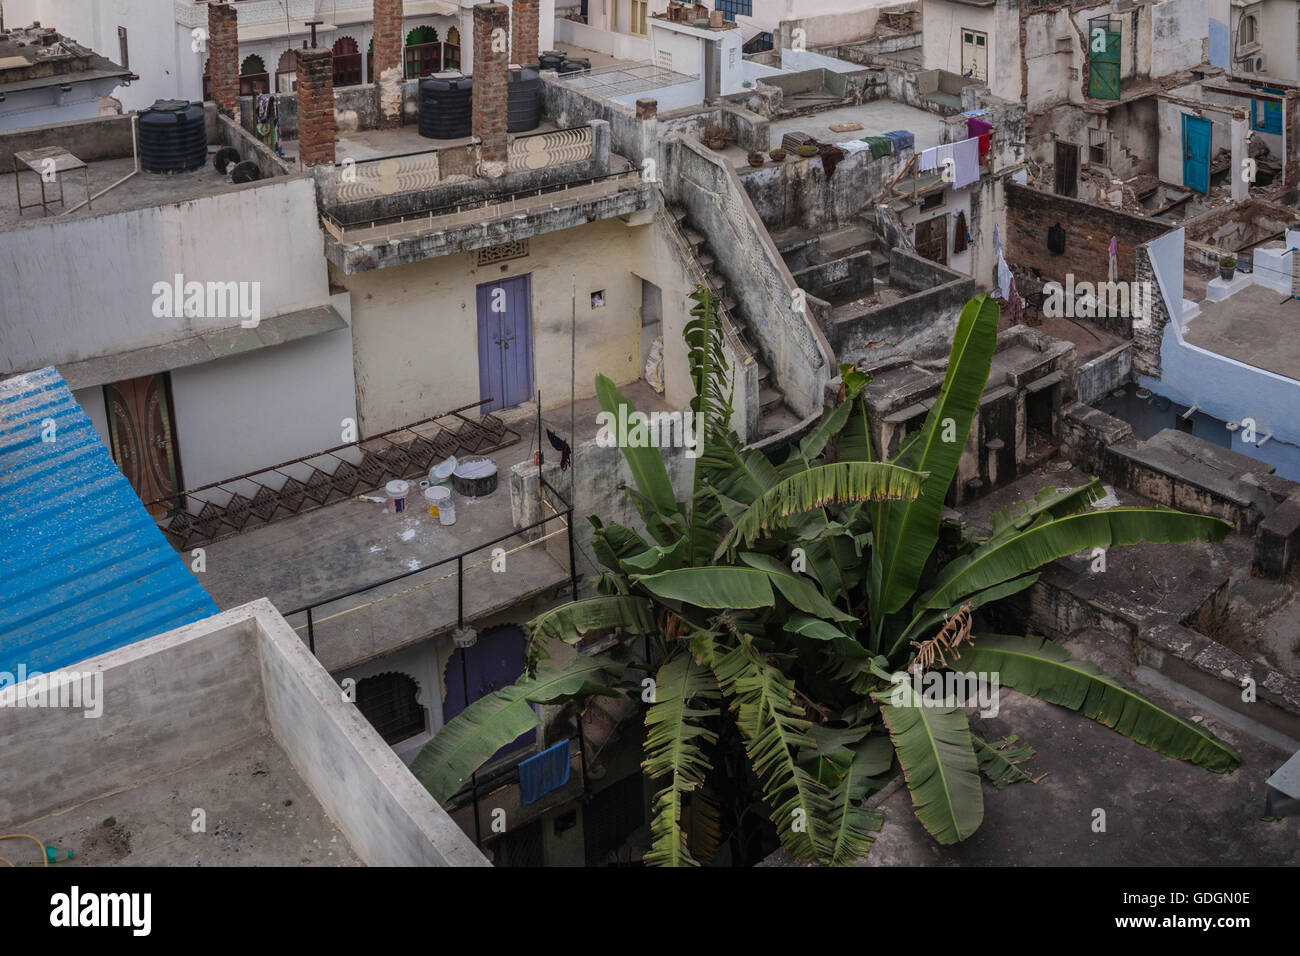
(715, 135)
(757, 159)
(778, 155)
(1227, 267)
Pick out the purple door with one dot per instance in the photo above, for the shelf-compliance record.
(505, 342)
(495, 661)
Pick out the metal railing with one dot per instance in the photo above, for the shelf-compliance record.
(565, 515)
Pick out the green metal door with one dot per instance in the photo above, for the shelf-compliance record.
(1103, 58)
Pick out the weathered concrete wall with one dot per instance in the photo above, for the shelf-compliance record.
(102, 137)
(1105, 373)
(839, 278)
(917, 324)
(153, 694)
(401, 313)
(793, 347)
(797, 193)
(387, 816)
(265, 232)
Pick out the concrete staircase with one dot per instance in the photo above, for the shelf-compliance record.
(773, 416)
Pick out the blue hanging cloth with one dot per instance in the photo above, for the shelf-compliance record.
(548, 771)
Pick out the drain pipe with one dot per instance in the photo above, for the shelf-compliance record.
(1190, 412)
(135, 155)
(1263, 441)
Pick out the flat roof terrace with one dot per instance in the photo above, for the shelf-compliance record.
(340, 548)
(1257, 326)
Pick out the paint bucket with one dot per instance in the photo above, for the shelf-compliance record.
(447, 509)
(436, 497)
(397, 491)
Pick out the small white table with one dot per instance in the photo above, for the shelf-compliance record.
(43, 161)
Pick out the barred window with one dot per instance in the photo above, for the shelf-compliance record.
(733, 8)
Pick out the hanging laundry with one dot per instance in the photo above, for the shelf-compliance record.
(1004, 279)
(1112, 269)
(928, 160)
(986, 142)
(960, 235)
(966, 162)
(831, 156)
(1016, 304)
(1056, 240)
(548, 771)
(975, 127)
(997, 241)
(880, 145)
(902, 139)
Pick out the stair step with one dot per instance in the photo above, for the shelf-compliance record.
(776, 419)
(707, 261)
(729, 304)
(769, 397)
(764, 373)
(717, 284)
(679, 212)
(694, 238)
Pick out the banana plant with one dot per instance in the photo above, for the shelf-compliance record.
(785, 600)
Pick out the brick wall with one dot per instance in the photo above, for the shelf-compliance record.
(524, 27)
(1147, 339)
(491, 79)
(388, 35)
(315, 106)
(1088, 228)
(223, 56)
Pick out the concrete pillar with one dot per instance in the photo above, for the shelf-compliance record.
(223, 56)
(387, 60)
(1240, 188)
(647, 115)
(316, 127)
(524, 32)
(491, 83)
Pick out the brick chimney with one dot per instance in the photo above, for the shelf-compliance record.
(491, 82)
(387, 60)
(524, 27)
(315, 106)
(223, 56)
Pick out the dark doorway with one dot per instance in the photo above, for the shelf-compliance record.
(932, 239)
(1067, 169)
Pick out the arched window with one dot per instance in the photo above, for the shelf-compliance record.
(347, 62)
(286, 72)
(390, 702)
(423, 52)
(253, 77)
(451, 50)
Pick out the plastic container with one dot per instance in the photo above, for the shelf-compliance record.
(436, 497)
(397, 490)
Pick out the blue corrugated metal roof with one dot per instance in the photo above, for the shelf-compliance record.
(83, 567)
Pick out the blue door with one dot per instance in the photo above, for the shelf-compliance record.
(496, 660)
(1196, 153)
(505, 342)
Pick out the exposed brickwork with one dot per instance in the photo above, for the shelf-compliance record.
(315, 106)
(1147, 338)
(223, 56)
(491, 79)
(1088, 228)
(388, 35)
(524, 27)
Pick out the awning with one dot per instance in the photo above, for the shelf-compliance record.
(204, 347)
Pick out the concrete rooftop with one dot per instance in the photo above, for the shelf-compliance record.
(140, 191)
(876, 117)
(352, 544)
(1257, 326)
(259, 811)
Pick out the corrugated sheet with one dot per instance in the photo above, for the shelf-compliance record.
(83, 567)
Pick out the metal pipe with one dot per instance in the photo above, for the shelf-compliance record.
(460, 593)
(1190, 412)
(1264, 440)
(311, 634)
(473, 777)
(135, 155)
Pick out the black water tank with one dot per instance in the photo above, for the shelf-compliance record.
(445, 106)
(551, 60)
(524, 101)
(576, 64)
(173, 137)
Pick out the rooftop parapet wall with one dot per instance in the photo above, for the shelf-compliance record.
(717, 204)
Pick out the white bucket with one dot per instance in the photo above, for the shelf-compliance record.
(397, 491)
(440, 505)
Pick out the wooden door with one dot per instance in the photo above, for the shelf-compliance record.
(143, 438)
(1067, 169)
(1196, 153)
(505, 342)
(932, 239)
(975, 55)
